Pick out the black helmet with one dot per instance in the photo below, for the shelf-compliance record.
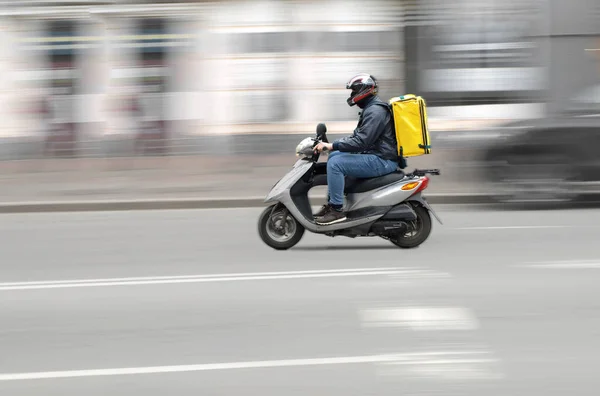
(362, 85)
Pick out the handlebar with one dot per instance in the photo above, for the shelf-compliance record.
(321, 137)
(316, 156)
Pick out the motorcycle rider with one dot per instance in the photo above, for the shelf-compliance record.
(370, 152)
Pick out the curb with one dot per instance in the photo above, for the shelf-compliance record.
(198, 203)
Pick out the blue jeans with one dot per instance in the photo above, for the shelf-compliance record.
(340, 165)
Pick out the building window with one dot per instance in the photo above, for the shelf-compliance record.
(62, 53)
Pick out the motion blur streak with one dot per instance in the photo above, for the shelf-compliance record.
(200, 279)
(208, 99)
(139, 100)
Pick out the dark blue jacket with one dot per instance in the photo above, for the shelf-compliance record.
(374, 133)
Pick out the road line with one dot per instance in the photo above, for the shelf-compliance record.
(515, 227)
(421, 318)
(575, 264)
(442, 361)
(234, 274)
(385, 358)
(206, 278)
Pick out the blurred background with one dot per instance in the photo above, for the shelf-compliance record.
(128, 100)
(106, 99)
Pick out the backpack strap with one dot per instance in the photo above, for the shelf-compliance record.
(400, 159)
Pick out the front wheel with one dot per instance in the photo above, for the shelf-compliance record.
(418, 230)
(277, 232)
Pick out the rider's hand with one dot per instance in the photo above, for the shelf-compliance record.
(323, 146)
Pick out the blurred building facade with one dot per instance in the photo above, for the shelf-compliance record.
(199, 65)
(490, 52)
(155, 70)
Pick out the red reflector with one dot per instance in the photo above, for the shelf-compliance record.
(423, 186)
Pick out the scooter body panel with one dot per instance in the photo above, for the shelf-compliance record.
(280, 191)
(292, 192)
(385, 196)
(362, 209)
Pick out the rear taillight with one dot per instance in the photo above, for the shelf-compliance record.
(424, 185)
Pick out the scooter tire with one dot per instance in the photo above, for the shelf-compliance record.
(267, 234)
(424, 218)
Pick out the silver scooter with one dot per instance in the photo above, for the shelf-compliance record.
(391, 207)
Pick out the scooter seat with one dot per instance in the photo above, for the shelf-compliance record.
(355, 186)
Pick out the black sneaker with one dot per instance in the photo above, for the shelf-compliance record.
(324, 209)
(332, 216)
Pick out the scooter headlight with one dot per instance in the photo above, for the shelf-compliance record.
(305, 147)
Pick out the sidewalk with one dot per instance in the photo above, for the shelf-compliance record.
(197, 178)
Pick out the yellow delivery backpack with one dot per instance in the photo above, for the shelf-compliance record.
(409, 113)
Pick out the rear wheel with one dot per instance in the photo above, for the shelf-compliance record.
(418, 230)
(277, 232)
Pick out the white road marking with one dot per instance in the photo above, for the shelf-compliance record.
(463, 372)
(515, 227)
(574, 264)
(408, 358)
(421, 318)
(447, 368)
(58, 284)
(463, 369)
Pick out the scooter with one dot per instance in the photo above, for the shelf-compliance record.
(391, 207)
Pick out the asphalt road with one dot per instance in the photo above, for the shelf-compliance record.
(192, 303)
